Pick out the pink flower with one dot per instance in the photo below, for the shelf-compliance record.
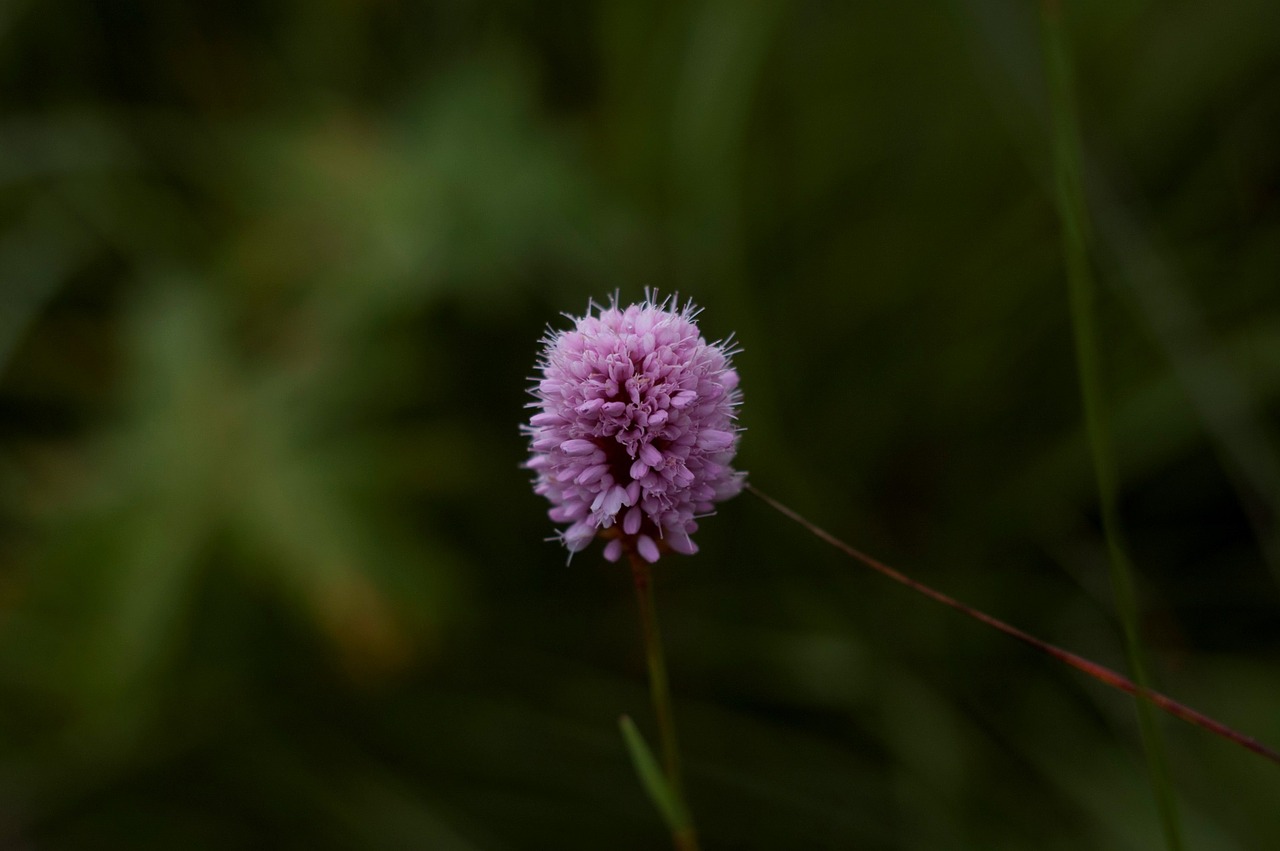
(633, 436)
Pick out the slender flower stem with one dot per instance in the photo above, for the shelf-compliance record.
(687, 838)
(1093, 669)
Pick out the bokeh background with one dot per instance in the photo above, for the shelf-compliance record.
(272, 278)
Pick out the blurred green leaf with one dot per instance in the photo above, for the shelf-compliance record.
(652, 778)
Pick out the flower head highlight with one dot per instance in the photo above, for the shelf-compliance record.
(633, 435)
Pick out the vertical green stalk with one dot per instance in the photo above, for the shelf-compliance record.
(683, 832)
(1069, 187)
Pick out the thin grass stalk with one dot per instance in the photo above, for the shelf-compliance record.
(1099, 672)
(1072, 210)
(686, 838)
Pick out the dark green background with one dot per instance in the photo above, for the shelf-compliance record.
(271, 281)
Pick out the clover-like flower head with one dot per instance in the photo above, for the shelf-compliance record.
(633, 437)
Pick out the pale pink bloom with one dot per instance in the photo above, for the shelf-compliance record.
(633, 434)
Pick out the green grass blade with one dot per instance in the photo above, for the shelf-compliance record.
(652, 778)
(1069, 192)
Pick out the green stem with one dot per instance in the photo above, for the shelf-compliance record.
(685, 839)
(1072, 210)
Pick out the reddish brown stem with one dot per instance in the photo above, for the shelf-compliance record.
(685, 838)
(1093, 669)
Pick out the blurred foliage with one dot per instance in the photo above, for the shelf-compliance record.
(271, 281)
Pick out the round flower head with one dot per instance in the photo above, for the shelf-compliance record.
(633, 435)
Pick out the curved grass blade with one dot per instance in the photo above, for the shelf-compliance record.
(654, 781)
